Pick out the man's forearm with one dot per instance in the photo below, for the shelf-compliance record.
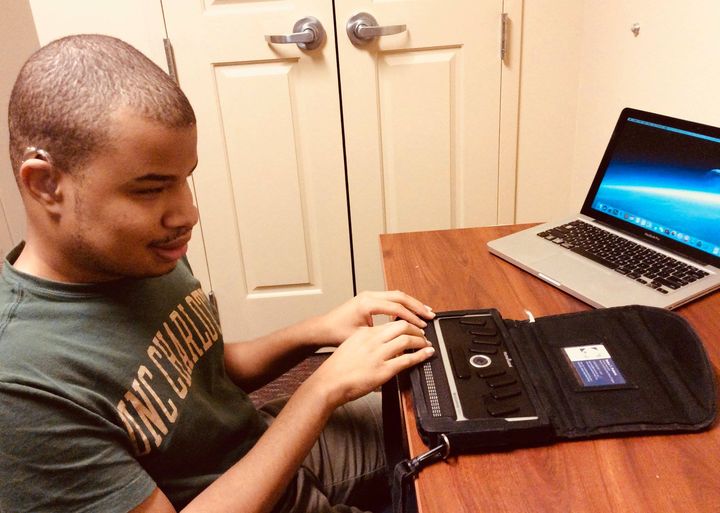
(257, 481)
(253, 363)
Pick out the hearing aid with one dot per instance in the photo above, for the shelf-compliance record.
(31, 152)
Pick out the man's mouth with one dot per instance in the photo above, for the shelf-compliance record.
(172, 250)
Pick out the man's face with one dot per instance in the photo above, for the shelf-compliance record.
(129, 211)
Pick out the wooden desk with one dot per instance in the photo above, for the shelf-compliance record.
(453, 270)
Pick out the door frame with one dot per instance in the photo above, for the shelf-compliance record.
(510, 112)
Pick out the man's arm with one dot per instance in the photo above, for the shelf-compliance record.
(363, 362)
(254, 363)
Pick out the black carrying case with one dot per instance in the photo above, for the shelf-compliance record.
(495, 383)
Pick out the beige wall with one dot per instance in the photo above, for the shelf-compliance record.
(548, 103)
(138, 22)
(671, 67)
(18, 37)
(582, 64)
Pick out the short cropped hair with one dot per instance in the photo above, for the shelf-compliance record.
(66, 92)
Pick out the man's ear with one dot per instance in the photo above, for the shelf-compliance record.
(41, 182)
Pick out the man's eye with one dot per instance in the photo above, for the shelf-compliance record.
(149, 192)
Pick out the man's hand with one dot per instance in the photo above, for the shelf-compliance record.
(342, 322)
(366, 360)
(254, 363)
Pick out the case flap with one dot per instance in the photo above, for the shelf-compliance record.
(630, 369)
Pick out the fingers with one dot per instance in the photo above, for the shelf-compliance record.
(399, 305)
(400, 327)
(407, 360)
(405, 351)
(401, 337)
(391, 339)
(414, 306)
(371, 356)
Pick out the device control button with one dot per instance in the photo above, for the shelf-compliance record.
(483, 349)
(500, 409)
(490, 372)
(505, 393)
(474, 321)
(484, 331)
(480, 361)
(486, 341)
(501, 382)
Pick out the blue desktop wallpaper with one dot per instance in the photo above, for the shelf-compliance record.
(670, 184)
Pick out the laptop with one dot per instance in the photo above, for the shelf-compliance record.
(648, 232)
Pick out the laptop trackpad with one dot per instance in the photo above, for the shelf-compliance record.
(575, 272)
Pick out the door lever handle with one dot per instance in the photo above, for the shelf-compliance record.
(363, 28)
(308, 34)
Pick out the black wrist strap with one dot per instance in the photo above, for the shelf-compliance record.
(405, 471)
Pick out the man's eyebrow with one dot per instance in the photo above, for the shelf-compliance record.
(156, 177)
(152, 177)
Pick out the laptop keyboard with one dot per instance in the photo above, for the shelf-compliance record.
(637, 262)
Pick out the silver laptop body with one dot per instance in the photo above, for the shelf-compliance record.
(658, 185)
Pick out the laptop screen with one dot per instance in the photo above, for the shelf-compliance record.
(660, 177)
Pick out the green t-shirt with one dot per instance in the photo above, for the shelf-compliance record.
(107, 391)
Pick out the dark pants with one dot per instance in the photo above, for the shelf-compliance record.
(345, 470)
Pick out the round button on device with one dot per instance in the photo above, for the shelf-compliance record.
(480, 361)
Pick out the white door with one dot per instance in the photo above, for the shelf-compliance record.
(421, 111)
(270, 184)
(422, 118)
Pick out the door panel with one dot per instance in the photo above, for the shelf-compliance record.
(414, 149)
(270, 182)
(272, 204)
(422, 117)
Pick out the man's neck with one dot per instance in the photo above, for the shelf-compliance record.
(30, 262)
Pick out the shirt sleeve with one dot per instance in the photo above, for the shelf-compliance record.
(56, 456)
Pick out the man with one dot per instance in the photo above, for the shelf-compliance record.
(116, 390)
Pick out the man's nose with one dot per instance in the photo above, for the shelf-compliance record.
(182, 212)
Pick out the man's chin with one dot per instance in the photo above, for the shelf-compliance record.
(154, 271)
(167, 269)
